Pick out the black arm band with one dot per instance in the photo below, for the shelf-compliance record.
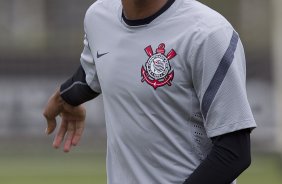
(75, 91)
(229, 157)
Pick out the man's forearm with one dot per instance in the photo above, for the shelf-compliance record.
(75, 91)
(229, 157)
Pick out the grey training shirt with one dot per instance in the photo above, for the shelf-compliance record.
(168, 86)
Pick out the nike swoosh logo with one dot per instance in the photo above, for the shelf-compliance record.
(100, 55)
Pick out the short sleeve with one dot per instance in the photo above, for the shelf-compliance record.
(219, 78)
(88, 64)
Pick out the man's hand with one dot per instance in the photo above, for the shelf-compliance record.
(72, 124)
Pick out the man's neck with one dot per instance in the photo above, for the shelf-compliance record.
(140, 9)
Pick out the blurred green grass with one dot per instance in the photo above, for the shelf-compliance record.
(264, 169)
(53, 169)
(89, 168)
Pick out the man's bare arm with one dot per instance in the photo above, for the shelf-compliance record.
(66, 102)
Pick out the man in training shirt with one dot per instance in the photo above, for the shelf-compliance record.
(172, 74)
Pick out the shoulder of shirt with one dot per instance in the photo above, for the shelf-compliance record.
(106, 6)
(205, 20)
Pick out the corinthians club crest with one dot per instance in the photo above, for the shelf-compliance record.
(157, 71)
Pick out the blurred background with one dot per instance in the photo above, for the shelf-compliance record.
(40, 46)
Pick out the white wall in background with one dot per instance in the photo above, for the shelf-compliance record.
(21, 105)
